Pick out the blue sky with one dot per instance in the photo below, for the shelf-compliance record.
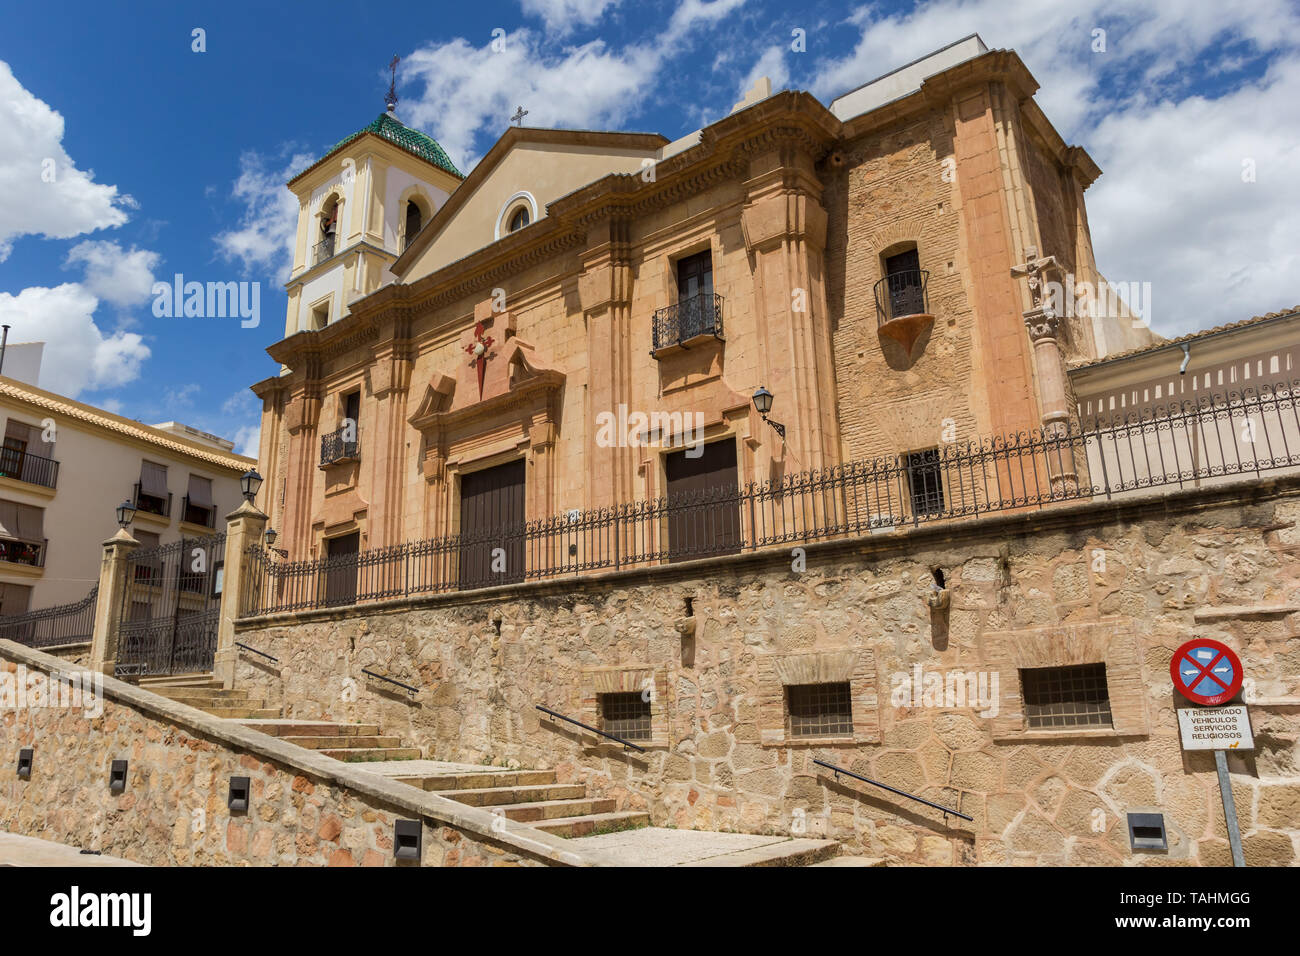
(167, 160)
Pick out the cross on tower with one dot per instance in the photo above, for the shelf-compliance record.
(518, 118)
(391, 98)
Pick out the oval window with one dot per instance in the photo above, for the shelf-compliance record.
(519, 219)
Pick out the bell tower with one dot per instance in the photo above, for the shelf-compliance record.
(359, 206)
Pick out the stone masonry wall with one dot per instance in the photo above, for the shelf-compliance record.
(305, 809)
(1121, 584)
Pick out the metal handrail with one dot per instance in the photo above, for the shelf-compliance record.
(406, 687)
(254, 650)
(594, 730)
(32, 469)
(885, 786)
(322, 250)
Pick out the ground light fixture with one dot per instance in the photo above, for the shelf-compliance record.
(763, 404)
(117, 777)
(25, 764)
(239, 791)
(408, 835)
(250, 483)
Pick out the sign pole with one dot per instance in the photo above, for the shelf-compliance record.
(1229, 808)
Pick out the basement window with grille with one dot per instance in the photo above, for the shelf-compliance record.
(1061, 698)
(925, 481)
(819, 710)
(625, 715)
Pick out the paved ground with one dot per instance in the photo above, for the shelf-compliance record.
(661, 846)
(18, 850)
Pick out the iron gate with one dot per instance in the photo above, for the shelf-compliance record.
(170, 607)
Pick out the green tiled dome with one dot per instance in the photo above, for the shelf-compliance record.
(411, 140)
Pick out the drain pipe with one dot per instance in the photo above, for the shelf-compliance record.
(4, 340)
(1187, 357)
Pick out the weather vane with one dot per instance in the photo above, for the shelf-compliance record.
(518, 118)
(392, 87)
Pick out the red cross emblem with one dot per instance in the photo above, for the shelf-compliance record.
(478, 352)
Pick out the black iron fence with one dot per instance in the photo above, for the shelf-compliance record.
(170, 606)
(686, 319)
(902, 293)
(342, 444)
(24, 466)
(23, 551)
(1187, 444)
(49, 627)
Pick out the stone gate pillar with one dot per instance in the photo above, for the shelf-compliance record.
(245, 527)
(109, 602)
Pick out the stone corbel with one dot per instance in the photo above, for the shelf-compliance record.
(390, 373)
(603, 286)
(302, 413)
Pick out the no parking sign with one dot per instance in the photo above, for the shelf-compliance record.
(1206, 672)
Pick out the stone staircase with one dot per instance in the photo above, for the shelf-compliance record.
(205, 693)
(527, 796)
(352, 743)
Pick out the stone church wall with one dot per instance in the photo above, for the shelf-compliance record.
(715, 643)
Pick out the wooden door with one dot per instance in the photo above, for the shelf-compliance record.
(492, 526)
(341, 569)
(703, 502)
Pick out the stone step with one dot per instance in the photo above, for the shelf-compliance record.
(180, 680)
(312, 728)
(590, 824)
(346, 742)
(243, 713)
(555, 809)
(793, 852)
(374, 753)
(471, 780)
(499, 796)
(199, 693)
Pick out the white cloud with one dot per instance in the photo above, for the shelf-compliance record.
(468, 91)
(31, 152)
(77, 354)
(772, 65)
(562, 16)
(116, 276)
(1171, 207)
(268, 225)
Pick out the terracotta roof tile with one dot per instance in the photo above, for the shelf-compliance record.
(1190, 337)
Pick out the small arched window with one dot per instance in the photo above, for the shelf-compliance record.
(413, 221)
(519, 219)
(329, 219)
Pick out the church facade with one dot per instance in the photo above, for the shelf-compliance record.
(585, 319)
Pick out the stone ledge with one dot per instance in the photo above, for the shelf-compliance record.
(1230, 611)
(518, 838)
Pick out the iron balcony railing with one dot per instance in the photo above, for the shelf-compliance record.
(152, 504)
(322, 250)
(687, 319)
(33, 469)
(1187, 444)
(197, 514)
(902, 293)
(20, 551)
(49, 627)
(334, 448)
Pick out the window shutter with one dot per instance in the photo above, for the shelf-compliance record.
(200, 491)
(9, 519)
(31, 523)
(153, 479)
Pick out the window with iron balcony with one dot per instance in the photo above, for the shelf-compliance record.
(698, 310)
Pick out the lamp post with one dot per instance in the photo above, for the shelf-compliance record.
(250, 484)
(125, 514)
(271, 535)
(763, 405)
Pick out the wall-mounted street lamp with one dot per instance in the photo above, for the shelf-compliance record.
(250, 484)
(763, 405)
(271, 535)
(125, 514)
